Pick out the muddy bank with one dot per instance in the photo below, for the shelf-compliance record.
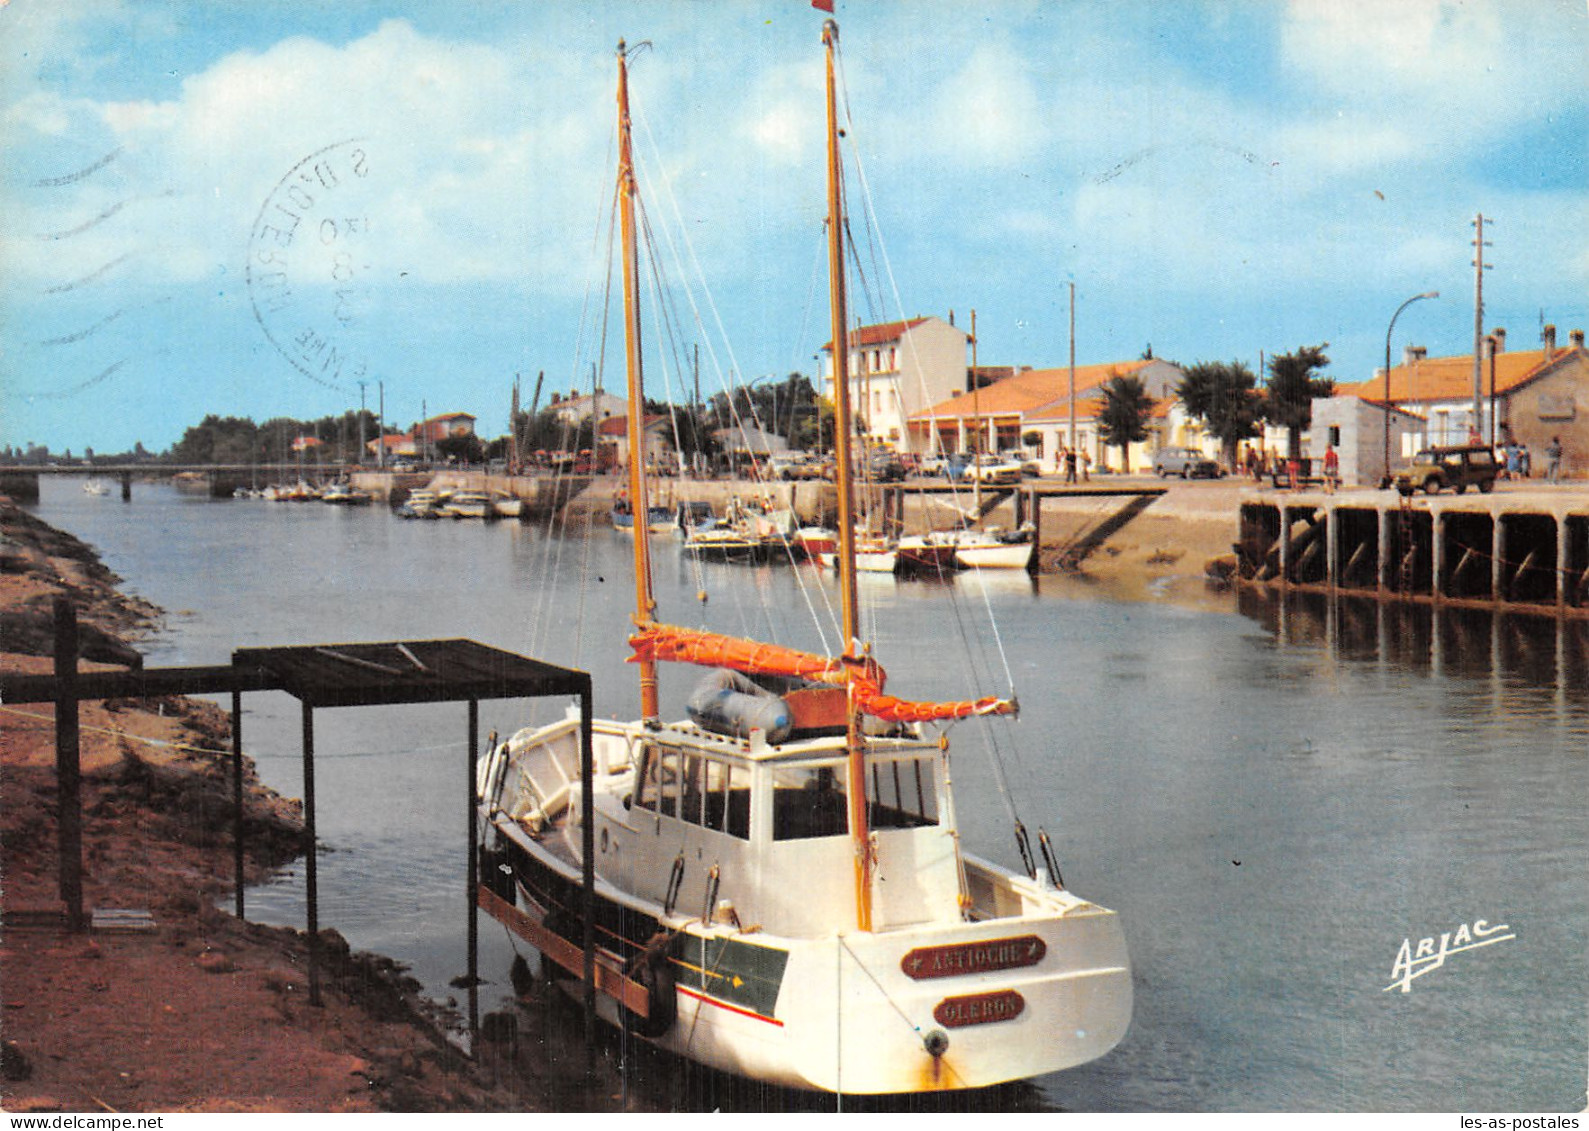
(204, 1012)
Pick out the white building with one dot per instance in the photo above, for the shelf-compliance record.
(897, 369)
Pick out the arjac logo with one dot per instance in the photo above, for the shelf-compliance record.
(1415, 963)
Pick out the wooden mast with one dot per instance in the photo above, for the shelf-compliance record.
(843, 429)
(645, 602)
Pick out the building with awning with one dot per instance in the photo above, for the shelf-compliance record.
(999, 416)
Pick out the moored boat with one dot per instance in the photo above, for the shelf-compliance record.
(780, 885)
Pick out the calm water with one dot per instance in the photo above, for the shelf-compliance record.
(1273, 798)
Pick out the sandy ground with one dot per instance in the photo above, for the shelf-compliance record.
(204, 1012)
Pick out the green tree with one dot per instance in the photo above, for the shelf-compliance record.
(216, 440)
(1225, 397)
(1292, 388)
(465, 447)
(1123, 420)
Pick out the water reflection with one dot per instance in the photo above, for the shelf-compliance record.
(1511, 652)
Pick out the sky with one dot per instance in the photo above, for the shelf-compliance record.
(282, 207)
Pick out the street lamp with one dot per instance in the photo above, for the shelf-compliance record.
(1388, 331)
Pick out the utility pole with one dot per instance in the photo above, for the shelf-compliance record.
(1073, 367)
(1479, 244)
(380, 426)
(361, 421)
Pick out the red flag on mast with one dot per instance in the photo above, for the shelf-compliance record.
(824, 5)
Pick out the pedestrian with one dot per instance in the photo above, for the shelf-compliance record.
(1332, 468)
(1070, 465)
(1525, 461)
(1514, 460)
(1553, 460)
(1086, 467)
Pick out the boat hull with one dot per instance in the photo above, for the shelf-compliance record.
(1036, 981)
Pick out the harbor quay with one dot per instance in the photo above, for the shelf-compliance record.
(1524, 547)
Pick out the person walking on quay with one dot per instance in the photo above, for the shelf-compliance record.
(1553, 460)
(1086, 467)
(1332, 468)
(1070, 465)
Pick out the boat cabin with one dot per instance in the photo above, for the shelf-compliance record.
(708, 825)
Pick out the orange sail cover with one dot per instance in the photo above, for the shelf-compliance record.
(864, 678)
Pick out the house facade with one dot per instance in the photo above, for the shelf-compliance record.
(896, 369)
(1000, 416)
(577, 408)
(1526, 396)
(435, 428)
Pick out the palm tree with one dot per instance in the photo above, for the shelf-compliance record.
(1123, 420)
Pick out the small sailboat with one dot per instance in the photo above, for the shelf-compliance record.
(95, 487)
(781, 889)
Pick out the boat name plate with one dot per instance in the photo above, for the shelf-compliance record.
(973, 958)
(979, 1009)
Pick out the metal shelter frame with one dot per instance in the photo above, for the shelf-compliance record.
(324, 675)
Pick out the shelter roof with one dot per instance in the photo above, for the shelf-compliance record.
(413, 671)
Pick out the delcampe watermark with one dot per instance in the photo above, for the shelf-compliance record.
(1415, 963)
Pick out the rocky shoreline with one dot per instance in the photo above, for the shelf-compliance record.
(205, 1012)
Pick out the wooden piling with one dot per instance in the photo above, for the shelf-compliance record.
(68, 766)
(311, 875)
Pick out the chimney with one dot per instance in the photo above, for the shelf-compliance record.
(1499, 334)
(951, 317)
(1548, 337)
(1576, 338)
(1411, 354)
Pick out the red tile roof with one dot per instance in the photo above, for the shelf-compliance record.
(1451, 378)
(1030, 391)
(863, 336)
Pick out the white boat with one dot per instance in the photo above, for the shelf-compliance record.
(467, 504)
(992, 549)
(342, 493)
(780, 885)
(504, 505)
(95, 487)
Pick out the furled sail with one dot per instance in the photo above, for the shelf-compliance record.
(864, 677)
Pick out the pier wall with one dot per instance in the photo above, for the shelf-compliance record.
(1525, 551)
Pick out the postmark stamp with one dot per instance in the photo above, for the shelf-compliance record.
(311, 264)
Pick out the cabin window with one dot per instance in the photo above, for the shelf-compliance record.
(902, 794)
(809, 801)
(696, 789)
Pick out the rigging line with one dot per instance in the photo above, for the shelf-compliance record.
(860, 171)
(557, 526)
(684, 236)
(993, 746)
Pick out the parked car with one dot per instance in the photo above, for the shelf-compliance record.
(1435, 469)
(1028, 462)
(1188, 463)
(994, 470)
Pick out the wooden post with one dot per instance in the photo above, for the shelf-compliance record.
(237, 797)
(1034, 564)
(474, 863)
(587, 817)
(311, 876)
(68, 766)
